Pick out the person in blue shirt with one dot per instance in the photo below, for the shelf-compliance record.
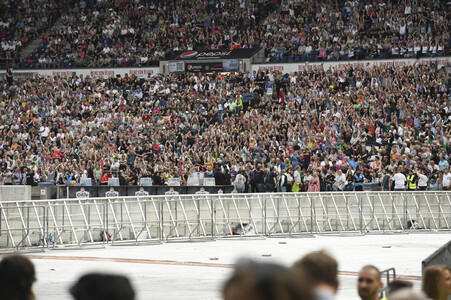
(443, 163)
(358, 180)
(353, 162)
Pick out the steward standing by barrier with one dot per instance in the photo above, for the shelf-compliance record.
(412, 180)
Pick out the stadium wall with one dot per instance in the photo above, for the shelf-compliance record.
(15, 192)
(325, 65)
(105, 72)
(283, 67)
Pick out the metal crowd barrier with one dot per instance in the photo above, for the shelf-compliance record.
(77, 222)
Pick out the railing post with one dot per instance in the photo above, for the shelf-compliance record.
(312, 214)
(359, 200)
(264, 216)
(45, 223)
(347, 210)
(405, 213)
(213, 214)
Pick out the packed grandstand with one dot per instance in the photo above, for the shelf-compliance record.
(123, 33)
(261, 130)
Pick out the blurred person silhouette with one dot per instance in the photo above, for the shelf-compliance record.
(398, 284)
(17, 275)
(266, 281)
(97, 286)
(322, 270)
(406, 293)
(437, 282)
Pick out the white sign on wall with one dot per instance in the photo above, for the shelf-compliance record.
(202, 192)
(171, 192)
(112, 193)
(82, 194)
(174, 182)
(209, 181)
(141, 192)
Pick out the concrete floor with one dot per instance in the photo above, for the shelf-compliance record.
(196, 270)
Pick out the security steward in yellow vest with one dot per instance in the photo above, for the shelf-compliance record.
(412, 179)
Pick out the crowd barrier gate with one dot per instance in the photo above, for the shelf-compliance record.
(157, 219)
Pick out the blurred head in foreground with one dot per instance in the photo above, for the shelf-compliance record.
(398, 284)
(17, 275)
(266, 281)
(406, 294)
(322, 270)
(96, 286)
(437, 282)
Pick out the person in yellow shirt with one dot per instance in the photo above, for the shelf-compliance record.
(239, 104)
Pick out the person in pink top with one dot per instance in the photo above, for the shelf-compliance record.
(313, 184)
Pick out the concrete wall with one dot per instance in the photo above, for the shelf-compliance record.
(15, 192)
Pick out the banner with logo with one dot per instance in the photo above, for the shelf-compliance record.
(204, 67)
(213, 54)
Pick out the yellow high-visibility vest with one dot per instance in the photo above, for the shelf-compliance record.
(411, 185)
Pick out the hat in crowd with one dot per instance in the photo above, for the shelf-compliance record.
(96, 286)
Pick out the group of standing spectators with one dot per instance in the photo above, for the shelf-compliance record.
(316, 130)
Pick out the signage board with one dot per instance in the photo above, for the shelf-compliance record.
(141, 192)
(82, 194)
(193, 55)
(112, 193)
(176, 66)
(230, 65)
(174, 182)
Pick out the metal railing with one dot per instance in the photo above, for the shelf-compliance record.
(52, 223)
(388, 275)
(441, 256)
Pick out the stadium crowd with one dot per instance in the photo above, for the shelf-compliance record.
(261, 131)
(140, 33)
(23, 21)
(313, 277)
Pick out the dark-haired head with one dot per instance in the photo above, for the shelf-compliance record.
(265, 281)
(96, 286)
(17, 275)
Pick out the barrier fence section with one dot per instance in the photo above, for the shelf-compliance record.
(156, 219)
(441, 256)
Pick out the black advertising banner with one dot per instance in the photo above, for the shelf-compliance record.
(213, 54)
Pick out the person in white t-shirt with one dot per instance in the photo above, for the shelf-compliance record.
(340, 181)
(399, 179)
(446, 183)
(422, 180)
